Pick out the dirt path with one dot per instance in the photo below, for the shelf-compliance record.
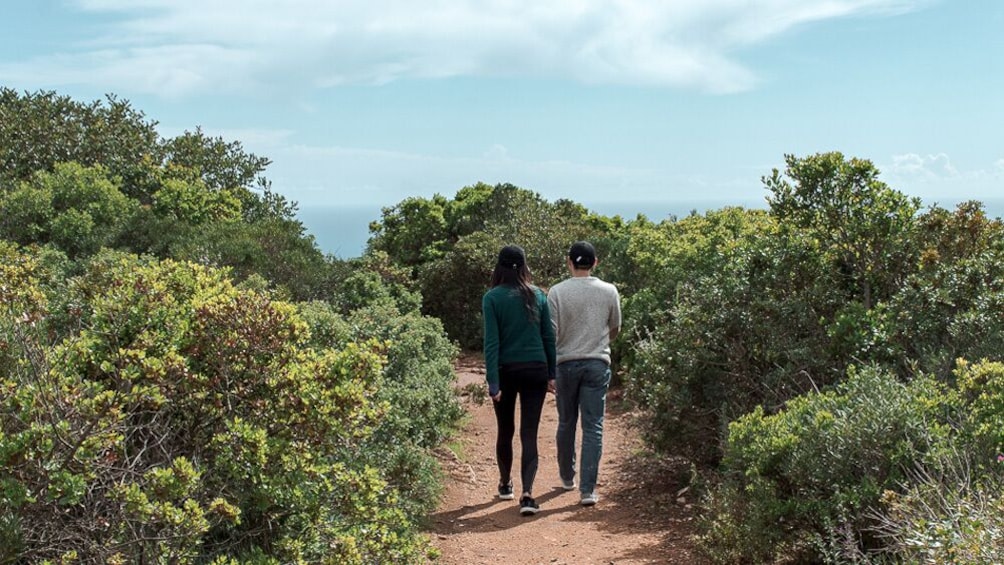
(641, 517)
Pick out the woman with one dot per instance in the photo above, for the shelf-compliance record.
(519, 362)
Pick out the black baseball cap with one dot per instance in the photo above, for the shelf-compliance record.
(582, 254)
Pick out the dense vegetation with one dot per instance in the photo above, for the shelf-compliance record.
(830, 364)
(819, 358)
(184, 377)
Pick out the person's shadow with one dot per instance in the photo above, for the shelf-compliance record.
(472, 518)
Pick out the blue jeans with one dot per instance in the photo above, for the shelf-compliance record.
(582, 389)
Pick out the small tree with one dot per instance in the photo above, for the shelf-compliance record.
(78, 209)
(38, 130)
(866, 225)
(411, 232)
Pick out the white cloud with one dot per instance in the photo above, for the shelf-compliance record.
(929, 167)
(934, 177)
(167, 70)
(178, 47)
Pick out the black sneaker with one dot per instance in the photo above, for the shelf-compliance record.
(528, 506)
(505, 492)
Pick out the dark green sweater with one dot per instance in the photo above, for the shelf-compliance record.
(510, 336)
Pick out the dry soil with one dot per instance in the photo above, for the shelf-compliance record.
(642, 516)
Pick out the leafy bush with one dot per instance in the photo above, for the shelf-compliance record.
(411, 232)
(417, 386)
(38, 130)
(459, 242)
(821, 465)
(954, 516)
(186, 421)
(954, 305)
(951, 510)
(744, 328)
(277, 249)
(373, 280)
(738, 310)
(78, 209)
(418, 378)
(981, 388)
(864, 226)
(452, 287)
(327, 327)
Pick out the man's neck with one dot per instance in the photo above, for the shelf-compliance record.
(581, 273)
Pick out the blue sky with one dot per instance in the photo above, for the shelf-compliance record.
(366, 102)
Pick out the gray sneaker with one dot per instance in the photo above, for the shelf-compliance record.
(589, 499)
(568, 485)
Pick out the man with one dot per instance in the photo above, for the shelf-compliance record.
(586, 314)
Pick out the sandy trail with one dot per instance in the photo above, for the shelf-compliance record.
(640, 518)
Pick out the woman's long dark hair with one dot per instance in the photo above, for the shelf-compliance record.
(520, 279)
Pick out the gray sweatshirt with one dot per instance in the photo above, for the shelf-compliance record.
(584, 310)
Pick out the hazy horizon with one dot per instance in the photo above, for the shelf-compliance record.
(342, 230)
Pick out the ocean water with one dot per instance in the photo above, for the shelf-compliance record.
(342, 231)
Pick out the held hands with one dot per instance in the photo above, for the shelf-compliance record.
(552, 386)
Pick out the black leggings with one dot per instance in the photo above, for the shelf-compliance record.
(529, 382)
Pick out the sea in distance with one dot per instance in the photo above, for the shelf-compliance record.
(342, 231)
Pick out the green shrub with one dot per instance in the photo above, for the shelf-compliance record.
(821, 465)
(418, 378)
(953, 515)
(78, 209)
(417, 386)
(40, 129)
(954, 305)
(187, 421)
(277, 249)
(373, 280)
(981, 388)
(452, 287)
(451, 246)
(327, 327)
(745, 330)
